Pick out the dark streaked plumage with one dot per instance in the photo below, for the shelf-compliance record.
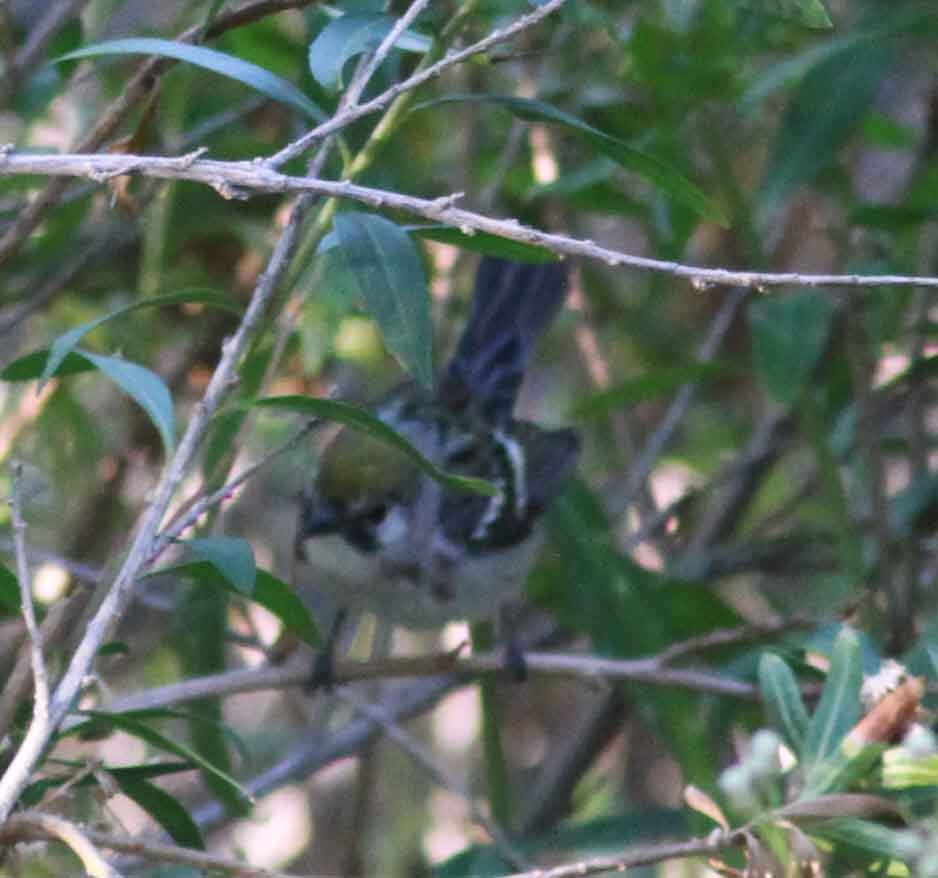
(383, 537)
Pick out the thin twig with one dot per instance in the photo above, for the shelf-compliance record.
(646, 670)
(40, 716)
(644, 855)
(428, 762)
(37, 824)
(199, 506)
(363, 76)
(235, 179)
(34, 824)
(356, 111)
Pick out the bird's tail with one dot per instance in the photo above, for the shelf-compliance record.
(513, 304)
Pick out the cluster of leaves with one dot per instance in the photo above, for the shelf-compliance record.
(713, 128)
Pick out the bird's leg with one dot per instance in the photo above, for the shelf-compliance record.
(515, 664)
(322, 675)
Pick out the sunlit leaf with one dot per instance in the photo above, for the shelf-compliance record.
(255, 77)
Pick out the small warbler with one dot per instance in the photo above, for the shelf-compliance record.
(378, 535)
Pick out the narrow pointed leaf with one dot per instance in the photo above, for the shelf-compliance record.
(783, 700)
(233, 558)
(165, 809)
(30, 366)
(127, 722)
(350, 35)
(270, 592)
(386, 269)
(839, 708)
(145, 387)
(358, 419)
(664, 176)
(255, 77)
(66, 342)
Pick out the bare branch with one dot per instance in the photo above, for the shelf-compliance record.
(590, 668)
(40, 726)
(33, 824)
(36, 824)
(233, 179)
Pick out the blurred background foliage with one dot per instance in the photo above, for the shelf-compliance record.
(752, 458)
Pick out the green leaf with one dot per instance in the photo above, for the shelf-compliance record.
(255, 77)
(166, 810)
(138, 382)
(814, 15)
(30, 366)
(839, 708)
(132, 725)
(232, 557)
(145, 387)
(359, 419)
(483, 242)
(789, 335)
(350, 35)
(667, 178)
(385, 266)
(270, 592)
(872, 838)
(9, 590)
(64, 344)
(275, 595)
(782, 699)
(824, 112)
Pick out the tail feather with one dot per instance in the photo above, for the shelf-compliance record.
(513, 304)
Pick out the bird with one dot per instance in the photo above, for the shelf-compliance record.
(380, 536)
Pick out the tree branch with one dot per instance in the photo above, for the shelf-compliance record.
(237, 179)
